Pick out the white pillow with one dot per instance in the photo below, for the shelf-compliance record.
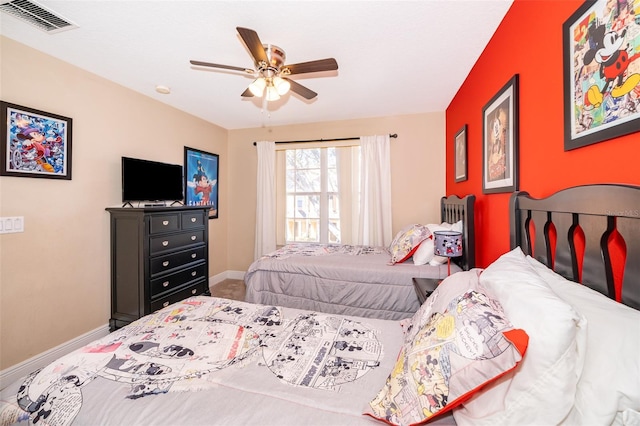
(425, 253)
(610, 381)
(541, 389)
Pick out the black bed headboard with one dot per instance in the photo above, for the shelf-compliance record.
(453, 209)
(595, 213)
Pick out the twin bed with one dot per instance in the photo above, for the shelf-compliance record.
(514, 343)
(355, 280)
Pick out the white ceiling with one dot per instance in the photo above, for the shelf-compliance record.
(394, 57)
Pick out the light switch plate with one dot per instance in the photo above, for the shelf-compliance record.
(11, 224)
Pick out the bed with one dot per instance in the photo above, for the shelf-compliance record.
(359, 280)
(513, 343)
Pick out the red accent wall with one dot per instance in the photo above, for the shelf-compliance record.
(528, 42)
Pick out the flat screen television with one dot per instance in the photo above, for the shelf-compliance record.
(152, 181)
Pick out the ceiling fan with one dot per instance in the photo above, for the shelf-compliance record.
(272, 75)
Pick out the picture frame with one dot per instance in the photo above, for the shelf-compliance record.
(601, 78)
(34, 143)
(500, 140)
(201, 179)
(460, 149)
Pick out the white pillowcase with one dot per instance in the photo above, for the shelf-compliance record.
(425, 253)
(610, 381)
(541, 389)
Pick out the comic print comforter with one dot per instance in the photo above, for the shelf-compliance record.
(209, 360)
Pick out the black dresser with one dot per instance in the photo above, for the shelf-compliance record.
(159, 256)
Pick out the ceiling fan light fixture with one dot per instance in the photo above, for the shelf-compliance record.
(282, 86)
(257, 87)
(270, 71)
(272, 93)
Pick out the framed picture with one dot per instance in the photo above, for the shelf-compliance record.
(601, 72)
(201, 179)
(500, 140)
(34, 143)
(460, 144)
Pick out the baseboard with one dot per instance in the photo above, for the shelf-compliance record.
(235, 275)
(13, 373)
(226, 275)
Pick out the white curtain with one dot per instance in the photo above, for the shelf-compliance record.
(374, 227)
(266, 199)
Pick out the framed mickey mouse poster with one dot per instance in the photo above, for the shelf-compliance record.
(601, 43)
(34, 143)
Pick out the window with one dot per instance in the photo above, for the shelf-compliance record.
(315, 194)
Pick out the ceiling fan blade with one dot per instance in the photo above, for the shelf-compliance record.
(226, 67)
(301, 90)
(253, 43)
(328, 64)
(247, 93)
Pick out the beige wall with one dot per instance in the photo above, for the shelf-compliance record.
(417, 168)
(54, 277)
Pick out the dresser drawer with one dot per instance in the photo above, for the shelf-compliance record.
(163, 243)
(172, 281)
(164, 223)
(192, 290)
(162, 264)
(192, 220)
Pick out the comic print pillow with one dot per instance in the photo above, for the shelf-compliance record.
(407, 241)
(463, 343)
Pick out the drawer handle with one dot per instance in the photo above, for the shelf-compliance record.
(165, 263)
(165, 304)
(193, 238)
(165, 243)
(193, 219)
(194, 273)
(194, 255)
(194, 291)
(165, 222)
(165, 284)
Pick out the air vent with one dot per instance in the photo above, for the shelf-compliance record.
(36, 15)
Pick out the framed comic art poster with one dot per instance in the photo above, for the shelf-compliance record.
(201, 179)
(601, 43)
(500, 140)
(34, 143)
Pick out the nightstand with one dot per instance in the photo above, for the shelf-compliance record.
(424, 287)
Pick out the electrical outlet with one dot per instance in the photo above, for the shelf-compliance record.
(12, 224)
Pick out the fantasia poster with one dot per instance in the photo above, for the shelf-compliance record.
(201, 179)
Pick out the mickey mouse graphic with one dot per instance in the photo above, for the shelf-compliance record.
(606, 50)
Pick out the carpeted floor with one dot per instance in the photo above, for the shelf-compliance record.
(229, 289)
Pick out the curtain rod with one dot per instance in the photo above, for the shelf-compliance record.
(392, 135)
